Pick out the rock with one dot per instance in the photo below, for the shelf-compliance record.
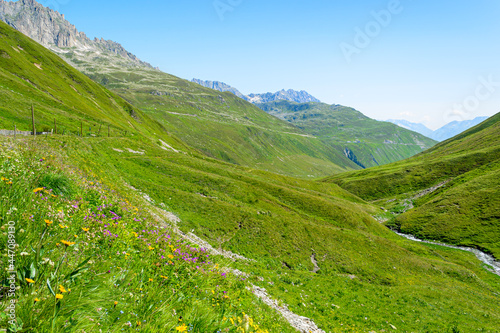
(50, 28)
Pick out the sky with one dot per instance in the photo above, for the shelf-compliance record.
(424, 61)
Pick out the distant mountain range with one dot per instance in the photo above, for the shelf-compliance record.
(284, 95)
(443, 133)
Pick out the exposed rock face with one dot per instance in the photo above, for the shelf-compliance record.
(220, 86)
(50, 28)
(287, 95)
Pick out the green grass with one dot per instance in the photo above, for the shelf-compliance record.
(464, 211)
(119, 270)
(370, 142)
(280, 222)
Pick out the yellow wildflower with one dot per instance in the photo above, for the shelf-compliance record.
(48, 223)
(150, 280)
(150, 247)
(170, 256)
(85, 229)
(182, 328)
(30, 280)
(36, 300)
(59, 296)
(67, 243)
(61, 289)
(38, 190)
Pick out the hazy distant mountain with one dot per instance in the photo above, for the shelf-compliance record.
(283, 95)
(455, 127)
(443, 133)
(419, 128)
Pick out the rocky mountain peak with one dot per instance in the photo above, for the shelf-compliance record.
(50, 28)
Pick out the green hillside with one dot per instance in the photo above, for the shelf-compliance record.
(366, 141)
(465, 210)
(124, 206)
(218, 124)
(32, 75)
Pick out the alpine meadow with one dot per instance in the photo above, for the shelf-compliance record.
(133, 200)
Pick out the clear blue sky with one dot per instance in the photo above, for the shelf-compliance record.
(428, 62)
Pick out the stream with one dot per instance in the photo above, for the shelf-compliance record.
(485, 258)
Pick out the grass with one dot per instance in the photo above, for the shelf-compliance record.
(370, 142)
(280, 222)
(463, 211)
(93, 261)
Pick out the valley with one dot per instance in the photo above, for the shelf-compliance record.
(201, 212)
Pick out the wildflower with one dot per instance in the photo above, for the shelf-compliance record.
(75, 236)
(62, 226)
(30, 280)
(9, 183)
(38, 190)
(170, 256)
(150, 247)
(48, 223)
(182, 328)
(138, 323)
(67, 243)
(36, 300)
(59, 296)
(115, 304)
(85, 229)
(25, 254)
(150, 280)
(61, 289)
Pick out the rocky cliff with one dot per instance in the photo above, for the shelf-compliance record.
(50, 28)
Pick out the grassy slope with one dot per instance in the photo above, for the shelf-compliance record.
(465, 210)
(58, 91)
(280, 222)
(340, 126)
(220, 125)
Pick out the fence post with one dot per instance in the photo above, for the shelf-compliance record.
(81, 129)
(99, 132)
(15, 130)
(33, 119)
(55, 126)
(108, 131)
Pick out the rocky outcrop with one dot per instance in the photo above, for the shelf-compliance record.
(50, 28)
(287, 95)
(220, 86)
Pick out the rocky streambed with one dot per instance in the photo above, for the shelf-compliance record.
(493, 264)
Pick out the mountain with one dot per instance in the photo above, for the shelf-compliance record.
(165, 238)
(286, 95)
(452, 188)
(220, 86)
(50, 29)
(283, 95)
(217, 124)
(365, 141)
(455, 128)
(415, 127)
(447, 131)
